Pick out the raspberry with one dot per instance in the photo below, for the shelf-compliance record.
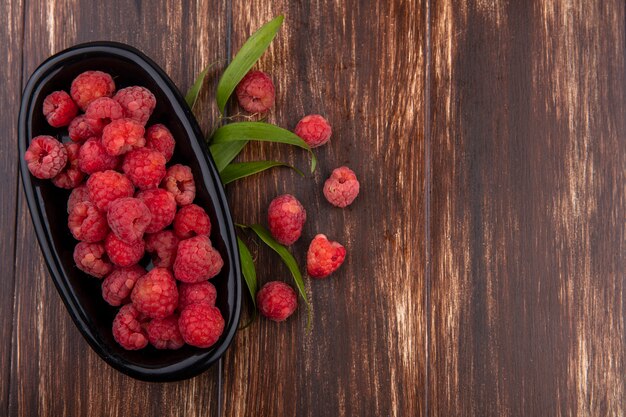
(78, 195)
(117, 286)
(128, 218)
(92, 259)
(87, 223)
(144, 167)
(199, 292)
(255, 92)
(286, 217)
(342, 187)
(103, 111)
(162, 207)
(191, 221)
(91, 85)
(128, 328)
(277, 300)
(196, 260)
(122, 253)
(159, 138)
(81, 128)
(164, 333)
(45, 156)
(92, 157)
(59, 109)
(324, 257)
(179, 181)
(201, 325)
(107, 186)
(122, 135)
(137, 102)
(70, 176)
(155, 294)
(162, 246)
(314, 130)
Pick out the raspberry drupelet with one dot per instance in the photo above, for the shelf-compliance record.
(91, 258)
(59, 109)
(45, 157)
(122, 253)
(128, 218)
(286, 218)
(324, 257)
(179, 181)
(342, 187)
(137, 103)
(107, 186)
(92, 157)
(201, 325)
(198, 292)
(71, 176)
(162, 206)
(191, 221)
(277, 301)
(255, 92)
(162, 247)
(164, 333)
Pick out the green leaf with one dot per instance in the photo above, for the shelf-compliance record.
(224, 153)
(248, 270)
(265, 132)
(287, 258)
(237, 171)
(192, 94)
(249, 53)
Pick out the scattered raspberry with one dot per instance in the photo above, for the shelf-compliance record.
(81, 129)
(201, 325)
(128, 218)
(103, 111)
(179, 181)
(155, 294)
(255, 92)
(324, 257)
(46, 157)
(78, 195)
(137, 102)
(107, 186)
(128, 328)
(196, 260)
(144, 167)
(162, 246)
(87, 223)
(92, 259)
(70, 176)
(159, 138)
(122, 135)
(286, 217)
(164, 333)
(117, 286)
(277, 300)
(92, 157)
(122, 253)
(199, 292)
(192, 221)
(162, 207)
(314, 130)
(91, 85)
(59, 109)
(342, 187)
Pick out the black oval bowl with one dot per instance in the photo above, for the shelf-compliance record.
(80, 292)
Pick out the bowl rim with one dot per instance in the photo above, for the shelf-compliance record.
(171, 372)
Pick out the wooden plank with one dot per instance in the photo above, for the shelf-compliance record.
(361, 65)
(528, 209)
(11, 38)
(54, 371)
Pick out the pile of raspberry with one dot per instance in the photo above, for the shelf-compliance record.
(127, 206)
(286, 215)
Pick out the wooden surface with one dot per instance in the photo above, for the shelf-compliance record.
(487, 252)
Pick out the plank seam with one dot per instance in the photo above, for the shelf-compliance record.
(427, 202)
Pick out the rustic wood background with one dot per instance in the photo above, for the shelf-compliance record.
(487, 252)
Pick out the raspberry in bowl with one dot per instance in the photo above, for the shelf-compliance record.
(132, 345)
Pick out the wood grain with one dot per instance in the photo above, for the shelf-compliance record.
(365, 354)
(528, 209)
(54, 371)
(11, 69)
